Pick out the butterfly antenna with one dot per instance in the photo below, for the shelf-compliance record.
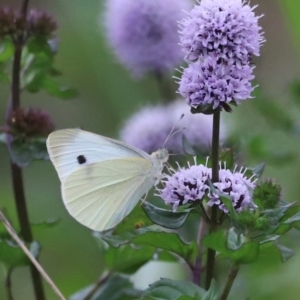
(172, 132)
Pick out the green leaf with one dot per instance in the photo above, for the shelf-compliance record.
(165, 218)
(117, 287)
(212, 293)
(12, 255)
(294, 218)
(122, 238)
(167, 289)
(285, 252)
(23, 153)
(135, 220)
(126, 259)
(240, 252)
(53, 88)
(258, 170)
(38, 45)
(169, 242)
(158, 239)
(6, 50)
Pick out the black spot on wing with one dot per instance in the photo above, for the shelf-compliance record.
(81, 159)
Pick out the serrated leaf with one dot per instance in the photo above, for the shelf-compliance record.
(285, 252)
(12, 255)
(246, 253)
(122, 238)
(157, 239)
(126, 259)
(167, 289)
(165, 218)
(115, 288)
(169, 242)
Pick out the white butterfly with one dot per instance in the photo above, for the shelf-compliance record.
(102, 179)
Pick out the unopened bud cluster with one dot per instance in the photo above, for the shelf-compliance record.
(28, 123)
(36, 23)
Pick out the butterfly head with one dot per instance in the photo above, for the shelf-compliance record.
(161, 155)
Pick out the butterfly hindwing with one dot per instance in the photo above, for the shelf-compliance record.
(102, 194)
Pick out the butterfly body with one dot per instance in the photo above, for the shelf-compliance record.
(102, 179)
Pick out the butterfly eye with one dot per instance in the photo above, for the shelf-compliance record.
(81, 159)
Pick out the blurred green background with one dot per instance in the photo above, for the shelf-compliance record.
(107, 96)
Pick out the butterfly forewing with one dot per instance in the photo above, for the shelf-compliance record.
(70, 149)
(102, 194)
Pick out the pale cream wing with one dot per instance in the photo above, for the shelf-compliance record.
(101, 195)
(70, 149)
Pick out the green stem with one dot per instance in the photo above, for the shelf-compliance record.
(197, 269)
(98, 284)
(16, 171)
(211, 254)
(231, 277)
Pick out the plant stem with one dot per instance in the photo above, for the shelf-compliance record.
(197, 270)
(164, 87)
(16, 171)
(100, 281)
(24, 7)
(8, 285)
(211, 254)
(231, 277)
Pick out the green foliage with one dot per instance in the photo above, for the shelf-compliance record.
(232, 246)
(126, 259)
(165, 218)
(38, 71)
(135, 220)
(116, 287)
(166, 289)
(166, 241)
(12, 255)
(24, 152)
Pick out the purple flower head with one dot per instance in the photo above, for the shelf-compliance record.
(144, 33)
(227, 29)
(185, 186)
(149, 128)
(210, 85)
(237, 186)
